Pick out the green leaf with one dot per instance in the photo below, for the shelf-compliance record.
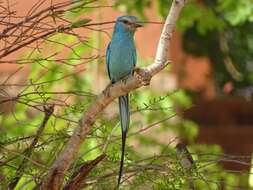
(80, 23)
(236, 12)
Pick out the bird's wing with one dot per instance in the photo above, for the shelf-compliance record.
(108, 51)
(134, 57)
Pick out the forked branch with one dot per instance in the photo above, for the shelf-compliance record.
(55, 176)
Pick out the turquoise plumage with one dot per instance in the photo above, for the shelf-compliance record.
(120, 62)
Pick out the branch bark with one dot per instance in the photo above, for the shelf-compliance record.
(48, 111)
(55, 176)
(78, 179)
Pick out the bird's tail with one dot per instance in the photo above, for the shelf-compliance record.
(124, 121)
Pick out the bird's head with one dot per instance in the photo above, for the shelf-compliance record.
(127, 24)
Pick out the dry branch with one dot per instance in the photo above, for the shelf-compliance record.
(48, 111)
(55, 176)
(78, 179)
(36, 26)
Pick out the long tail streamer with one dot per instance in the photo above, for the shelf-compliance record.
(124, 121)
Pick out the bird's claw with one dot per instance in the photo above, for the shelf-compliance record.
(106, 91)
(125, 79)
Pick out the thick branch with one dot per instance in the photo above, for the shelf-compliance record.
(78, 179)
(56, 173)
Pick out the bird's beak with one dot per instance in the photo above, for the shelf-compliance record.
(138, 24)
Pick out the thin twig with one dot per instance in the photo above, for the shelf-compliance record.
(48, 111)
(56, 174)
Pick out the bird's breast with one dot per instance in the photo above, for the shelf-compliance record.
(122, 59)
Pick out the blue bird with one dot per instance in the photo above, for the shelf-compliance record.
(120, 62)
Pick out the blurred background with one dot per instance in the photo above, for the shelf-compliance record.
(203, 98)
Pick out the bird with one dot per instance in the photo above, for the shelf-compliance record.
(121, 62)
(186, 161)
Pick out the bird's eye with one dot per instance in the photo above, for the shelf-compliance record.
(125, 21)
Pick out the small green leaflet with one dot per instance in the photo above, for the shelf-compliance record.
(80, 23)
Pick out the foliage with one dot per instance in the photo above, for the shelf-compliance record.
(218, 29)
(67, 82)
(226, 35)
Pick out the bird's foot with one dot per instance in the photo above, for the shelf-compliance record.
(143, 76)
(106, 90)
(124, 79)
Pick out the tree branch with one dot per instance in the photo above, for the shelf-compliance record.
(77, 180)
(35, 26)
(55, 177)
(48, 111)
